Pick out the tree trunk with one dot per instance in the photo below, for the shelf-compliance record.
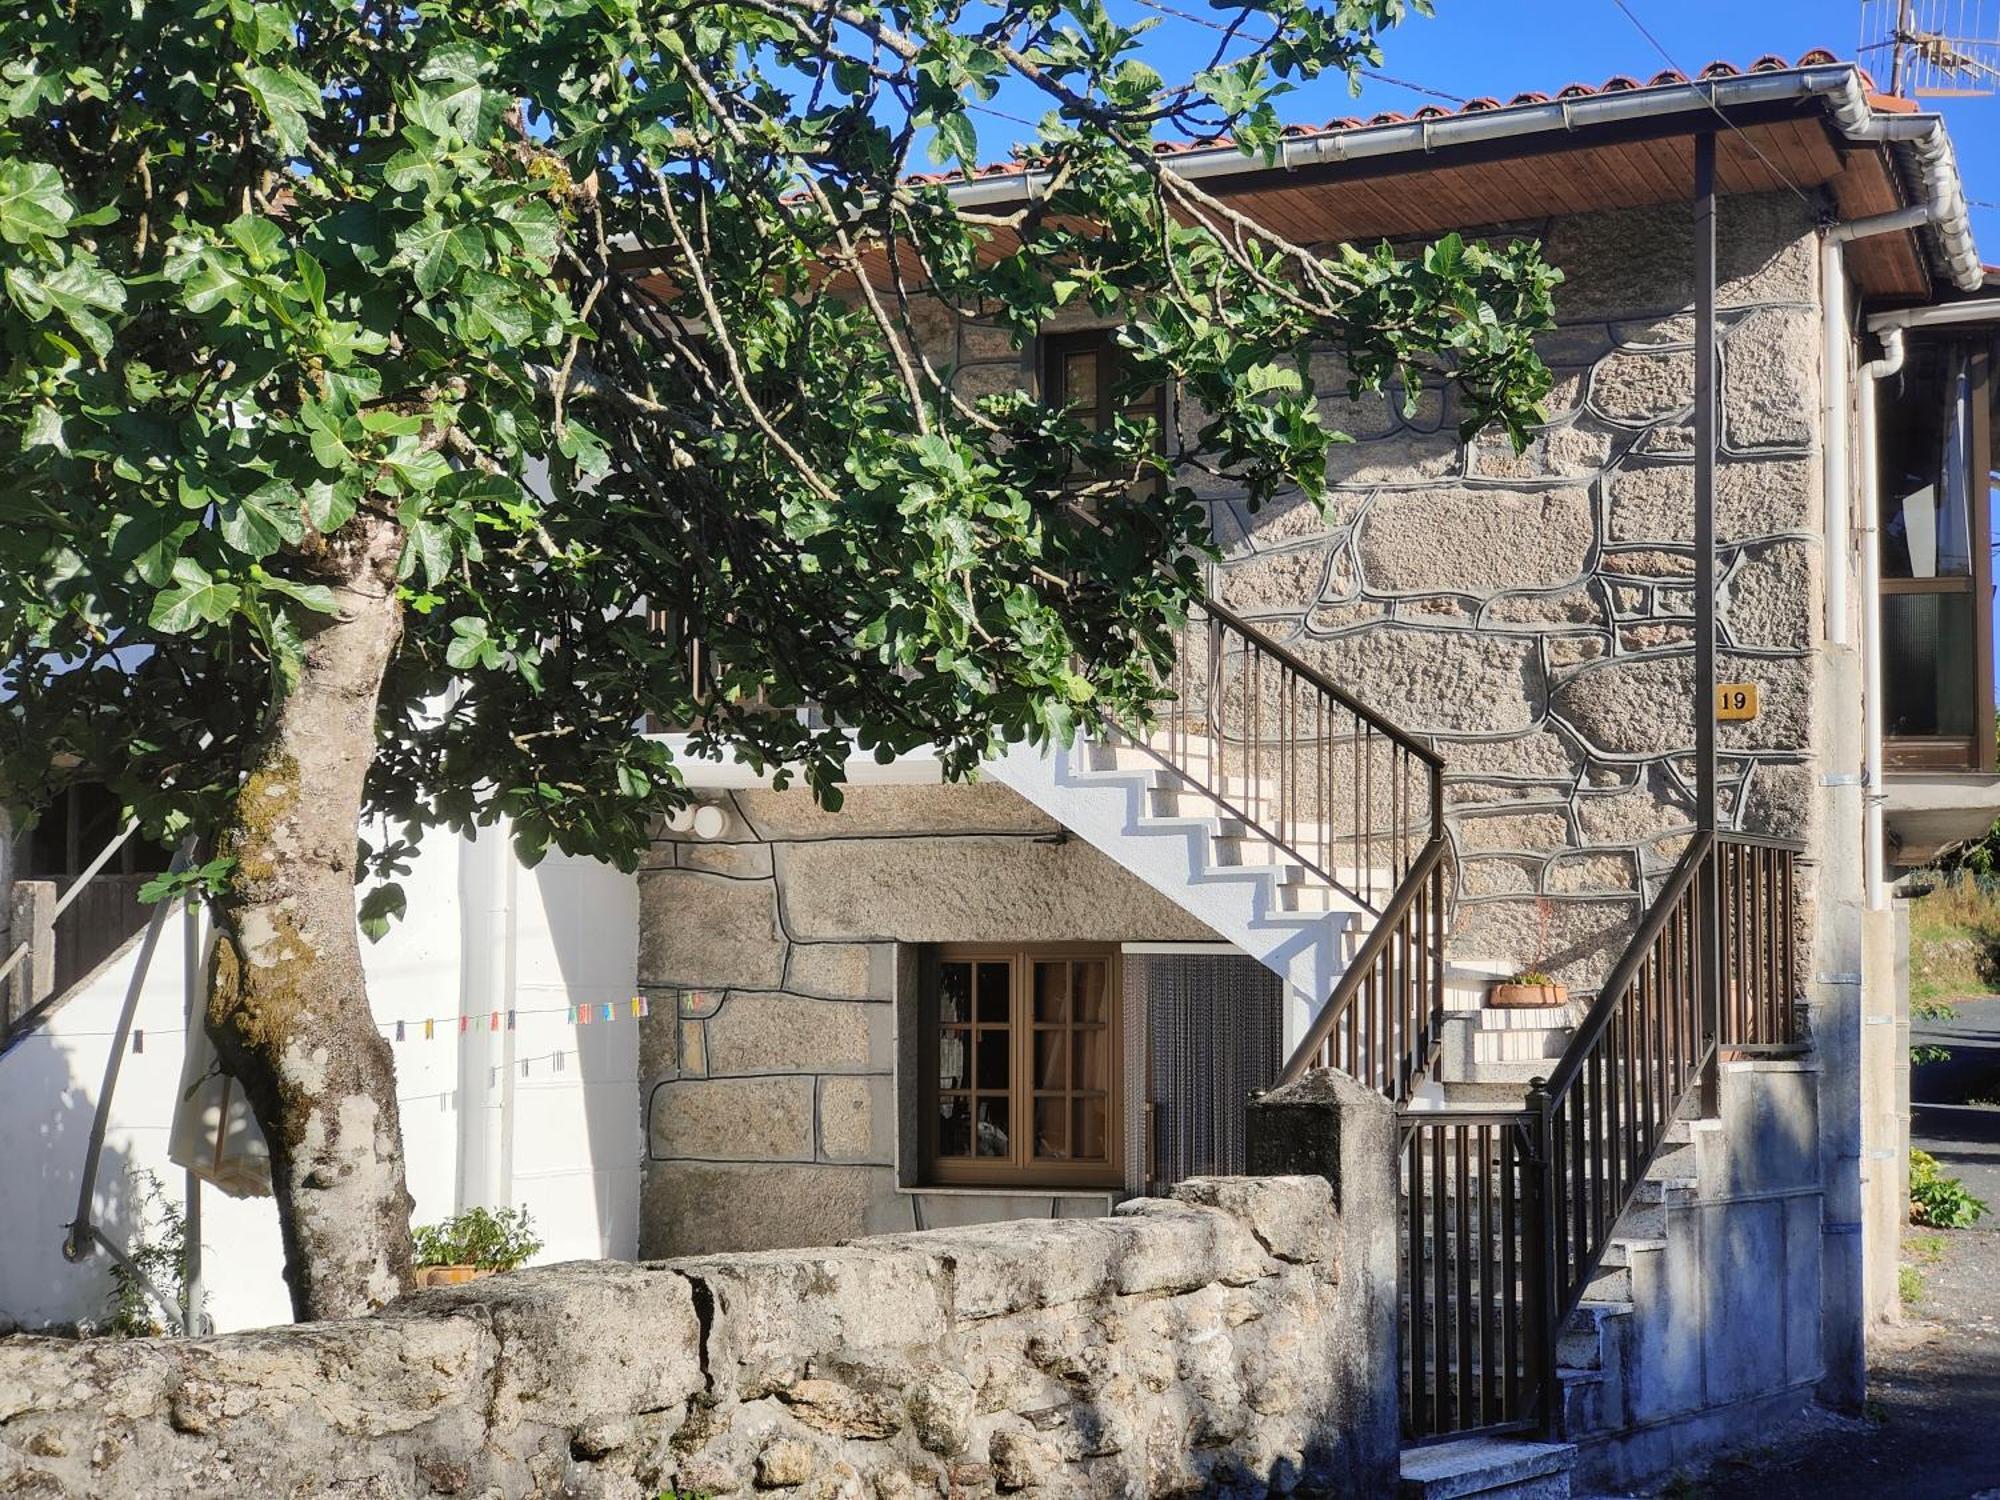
(288, 1001)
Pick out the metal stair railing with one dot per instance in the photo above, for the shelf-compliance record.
(1509, 1212)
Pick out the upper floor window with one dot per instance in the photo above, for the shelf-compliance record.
(1090, 374)
(1937, 463)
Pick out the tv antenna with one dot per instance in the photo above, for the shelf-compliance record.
(1938, 49)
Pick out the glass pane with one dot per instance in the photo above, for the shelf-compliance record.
(954, 992)
(992, 1115)
(1052, 1058)
(994, 1046)
(1090, 1051)
(994, 999)
(1090, 978)
(1052, 1128)
(1929, 664)
(1051, 990)
(954, 1126)
(1079, 379)
(952, 1059)
(1088, 1135)
(1927, 466)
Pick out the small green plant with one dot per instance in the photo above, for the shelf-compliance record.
(1930, 1010)
(158, 1250)
(493, 1241)
(1925, 1249)
(1532, 977)
(1909, 1285)
(1938, 1201)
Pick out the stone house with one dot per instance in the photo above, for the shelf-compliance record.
(1440, 724)
(1035, 995)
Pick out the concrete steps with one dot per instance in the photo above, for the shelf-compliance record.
(1487, 1469)
(1259, 894)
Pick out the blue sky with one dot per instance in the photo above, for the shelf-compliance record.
(1502, 47)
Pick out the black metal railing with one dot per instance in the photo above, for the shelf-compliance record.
(1507, 1226)
(1381, 1025)
(1271, 739)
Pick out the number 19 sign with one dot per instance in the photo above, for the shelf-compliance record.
(1736, 700)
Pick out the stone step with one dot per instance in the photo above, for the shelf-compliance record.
(1485, 1468)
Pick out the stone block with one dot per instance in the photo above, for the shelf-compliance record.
(707, 931)
(1779, 801)
(1577, 606)
(842, 971)
(1576, 941)
(731, 1119)
(768, 1033)
(1437, 681)
(854, 1118)
(1590, 874)
(972, 890)
(1636, 389)
(1291, 517)
(739, 861)
(972, 382)
(1654, 502)
(696, 1208)
(1406, 456)
(1499, 875)
(1532, 832)
(1771, 598)
(1636, 816)
(1623, 262)
(1474, 541)
(1543, 754)
(1275, 582)
(1292, 1217)
(966, 807)
(1643, 705)
(1770, 380)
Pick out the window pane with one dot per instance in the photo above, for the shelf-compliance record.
(1051, 990)
(1087, 1137)
(995, 999)
(992, 1116)
(1927, 466)
(952, 1059)
(1929, 662)
(1079, 382)
(954, 992)
(1052, 1128)
(954, 1126)
(1051, 1058)
(1090, 977)
(1091, 1051)
(994, 1045)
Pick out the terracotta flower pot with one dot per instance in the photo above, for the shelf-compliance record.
(1527, 996)
(429, 1276)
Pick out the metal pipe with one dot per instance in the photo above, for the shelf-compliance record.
(1942, 315)
(1874, 882)
(1836, 374)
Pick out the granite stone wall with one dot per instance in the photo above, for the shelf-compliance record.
(770, 958)
(1531, 613)
(1181, 1347)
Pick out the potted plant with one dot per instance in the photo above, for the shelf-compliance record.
(473, 1244)
(1532, 988)
(1527, 990)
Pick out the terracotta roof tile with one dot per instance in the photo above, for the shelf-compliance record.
(1616, 84)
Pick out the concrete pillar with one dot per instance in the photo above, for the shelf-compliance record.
(1834, 1008)
(1327, 1125)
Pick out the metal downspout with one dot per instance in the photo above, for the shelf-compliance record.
(1870, 538)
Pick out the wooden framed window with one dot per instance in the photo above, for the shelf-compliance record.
(1020, 1064)
(1089, 373)
(1936, 483)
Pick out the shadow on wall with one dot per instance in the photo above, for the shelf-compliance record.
(578, 1141)
(48, 1113)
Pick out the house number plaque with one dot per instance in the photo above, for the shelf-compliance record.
(1736, 700)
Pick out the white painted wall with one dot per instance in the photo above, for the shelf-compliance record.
(561, 1139)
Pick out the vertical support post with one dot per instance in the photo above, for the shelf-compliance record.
(1708, 965)
(1538, 1260)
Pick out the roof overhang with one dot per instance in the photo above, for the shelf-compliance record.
(1876, 156)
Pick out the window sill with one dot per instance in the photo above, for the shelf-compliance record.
(1108, 1195)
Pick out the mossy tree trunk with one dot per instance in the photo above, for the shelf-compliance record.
(288, 1001)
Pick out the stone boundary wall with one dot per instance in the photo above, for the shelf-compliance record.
(1531, 614)
(1179, 1347)
(770, 959)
